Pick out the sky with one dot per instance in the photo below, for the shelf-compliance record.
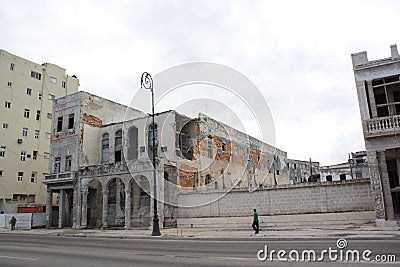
(297, 53)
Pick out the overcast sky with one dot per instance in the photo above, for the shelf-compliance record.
(296, 52)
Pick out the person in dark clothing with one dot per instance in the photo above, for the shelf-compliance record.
(255, 224)
(13, 222)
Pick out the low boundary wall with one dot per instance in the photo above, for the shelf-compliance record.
(24, 220)
(310, 198)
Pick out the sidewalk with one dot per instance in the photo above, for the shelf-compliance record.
(341, 231)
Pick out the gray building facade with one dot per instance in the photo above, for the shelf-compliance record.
(378, 90)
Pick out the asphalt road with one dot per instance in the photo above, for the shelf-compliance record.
(41, 250)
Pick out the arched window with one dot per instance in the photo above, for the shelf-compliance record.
(132, 143)
(150, 140)
(208, 179)
(105, 144)
(118, 146)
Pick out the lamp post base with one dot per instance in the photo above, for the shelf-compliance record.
(156, 227)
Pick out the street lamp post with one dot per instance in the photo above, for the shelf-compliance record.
(147, 83)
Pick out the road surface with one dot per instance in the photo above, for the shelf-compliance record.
(42, 250)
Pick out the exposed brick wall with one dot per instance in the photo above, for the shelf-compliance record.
(341, 196)
(91, 120)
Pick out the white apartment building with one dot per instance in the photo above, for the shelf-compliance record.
(27, 90)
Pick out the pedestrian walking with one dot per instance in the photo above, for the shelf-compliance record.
(255, 224)
(13, 222)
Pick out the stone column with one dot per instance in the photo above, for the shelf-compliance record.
(74, 205)
(85, 193)
(383, 206)
(104, 220)
(128, 201)
(61, 208)
(49, 206)
(387, 194)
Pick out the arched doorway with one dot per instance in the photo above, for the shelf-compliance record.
(116, 203)
(141, 201)
(94, 204)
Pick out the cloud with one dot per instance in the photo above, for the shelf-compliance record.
(296, 52)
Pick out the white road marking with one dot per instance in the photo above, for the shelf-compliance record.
(18, 258)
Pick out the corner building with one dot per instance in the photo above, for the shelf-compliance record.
(101, 162)
(378, 90)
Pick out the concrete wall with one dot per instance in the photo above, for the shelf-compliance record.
(342, 196)
(24, 220)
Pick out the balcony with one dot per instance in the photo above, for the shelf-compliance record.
(59, 177)
(103, 169)
(382, 126)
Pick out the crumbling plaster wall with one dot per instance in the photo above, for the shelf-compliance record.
(246, 160)
(237, 159)
(97, 111)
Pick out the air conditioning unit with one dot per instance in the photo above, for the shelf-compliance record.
(71, 131)
(19, 140)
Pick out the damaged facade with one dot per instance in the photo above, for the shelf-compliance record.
(100, 165)
(378, 90)
(355, 168)
(303, 171)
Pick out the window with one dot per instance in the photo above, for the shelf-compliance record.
(1, 173)
(23, 155)
(20, 176)
(28, 91)
(36, 75)
(118, 146)
(210, 147)
(68, 163)
(133, 143)
(40, 96)
(12, 65)
(7, 104)
(37, 115)
(342, 177)
(34, 155)
(25, 132)
(277, 172)
(46, 155)
(387, 96)
(208, 179)
(59, 124)
(48, 135)
(26, 113)
(105, 144)
(329, 178)
(49, 116)
(9, 84)
(37, 134)
(2, 152)
(150, 140)
(51, 97)
(33, 177)
(71, 121)
(223, 148)
(63, 84)
(5, 125)
(57, 164)
(53, 80)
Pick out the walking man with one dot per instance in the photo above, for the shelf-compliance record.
(255, 224)
(13, 222)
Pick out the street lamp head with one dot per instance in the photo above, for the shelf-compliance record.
(147, 81)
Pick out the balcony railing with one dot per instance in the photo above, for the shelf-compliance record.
(59, 177)
(382, 126)
(102, 169)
